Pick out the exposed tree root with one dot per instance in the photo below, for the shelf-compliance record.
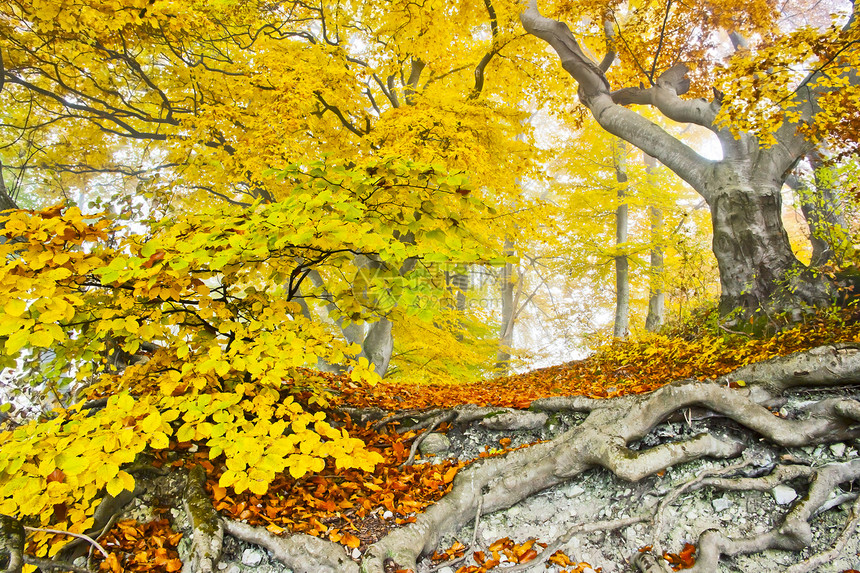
(301, 553)
(610, 436)
(604, 439)
(835, 551)
(208, 531)
(795, 532)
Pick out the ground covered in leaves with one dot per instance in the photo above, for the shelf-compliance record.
(357, 508)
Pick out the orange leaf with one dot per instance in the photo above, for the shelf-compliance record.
(218, 492)
(351, 541)
(56, 475)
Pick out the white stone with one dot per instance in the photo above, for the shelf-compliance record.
(783, 494)
(356, 554)
(838, 449)
(446, 570)
(251, 557)
(722, 504)
(234, 569)
(387, 515)
(574, 491)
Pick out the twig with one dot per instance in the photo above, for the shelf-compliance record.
(447, 417)
(477, 520)
(83, 536)
(738, 332)
(470, 549)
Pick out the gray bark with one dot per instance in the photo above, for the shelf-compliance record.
(758, 270)
(822, 209)
(656, 297)
(622, 264)
(506, 331)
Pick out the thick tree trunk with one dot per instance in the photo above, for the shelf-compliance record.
(378, 345)
(758, 270)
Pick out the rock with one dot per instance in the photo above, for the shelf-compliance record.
(783, 494)
(446, 570)
(251, 557)
(234, 569)
(387, 515)
(574, 491)
(356, 554)
(435, 444)
(722, 504)
(837, 449)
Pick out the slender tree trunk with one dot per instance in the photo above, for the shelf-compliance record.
(506, 330)
(656, 298)
(622, 271)
(822, 208)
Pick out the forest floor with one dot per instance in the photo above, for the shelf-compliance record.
(589, 519)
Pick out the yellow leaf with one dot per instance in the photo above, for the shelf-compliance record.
(159, 441)
(107, 471)
(41, 338)
(122, 482)
(16, 341)
(15, 307)
(151, 422)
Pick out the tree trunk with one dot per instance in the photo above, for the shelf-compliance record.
(758, 270)
(622, 271)
(506, 330)
(378, 345)
(656, 298)
(822, 208)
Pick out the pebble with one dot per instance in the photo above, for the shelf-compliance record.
(387, 515)
(356, 554)
(722, 504)
(251, 557)
(435, 444)
(837, 449)
(574, 491)
(783, 494)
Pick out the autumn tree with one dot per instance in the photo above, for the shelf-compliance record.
(179, 106)
(758, 269)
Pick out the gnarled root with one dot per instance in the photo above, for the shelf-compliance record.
(604, 439)
(301, 553)
(208, 531)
